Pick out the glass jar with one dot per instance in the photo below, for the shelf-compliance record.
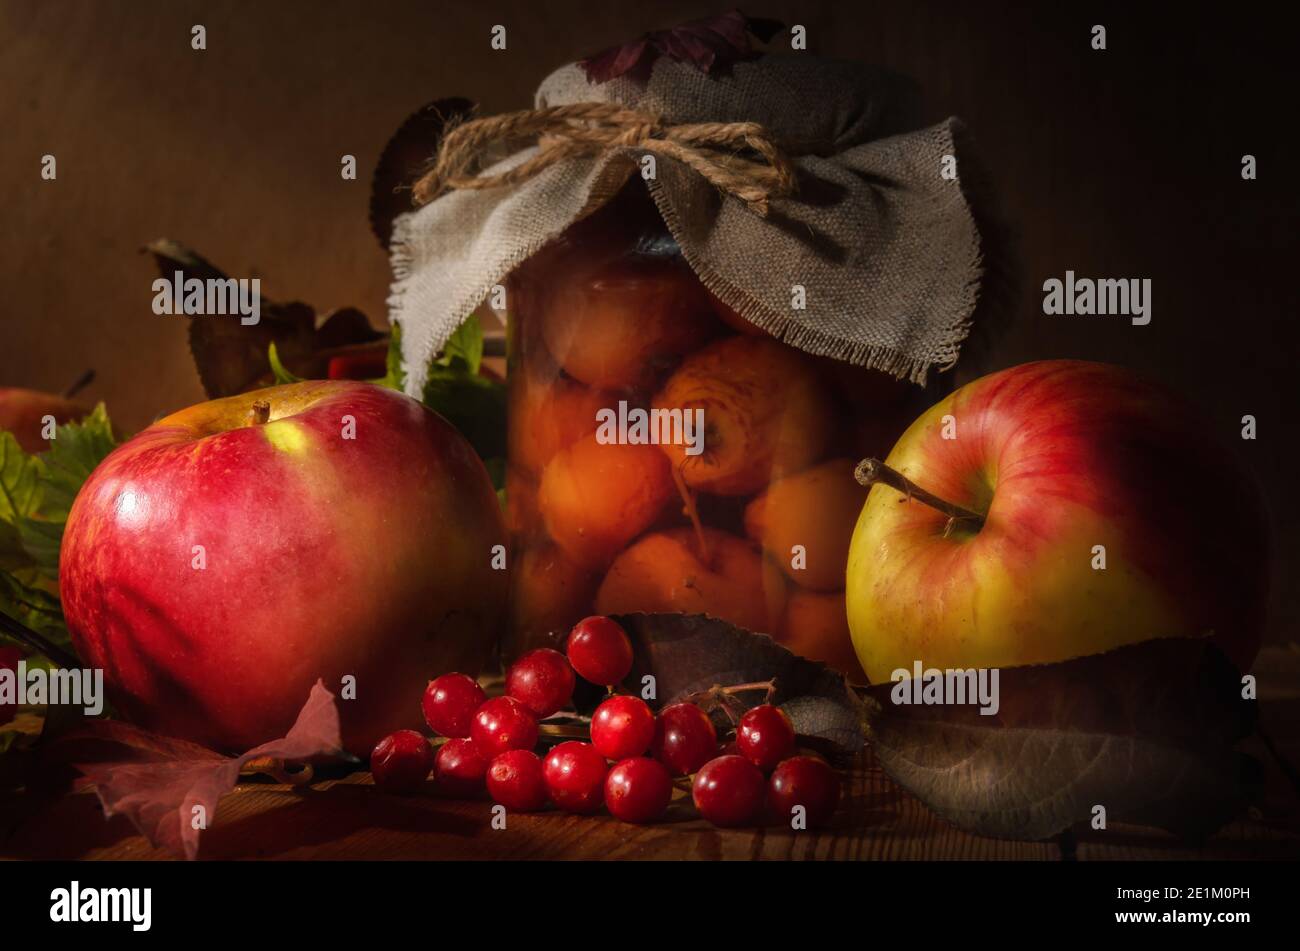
(667, 455)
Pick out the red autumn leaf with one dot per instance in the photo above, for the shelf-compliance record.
(712, 45)
(157, 781)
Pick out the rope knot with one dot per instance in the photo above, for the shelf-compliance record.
(635, 134)
(717, 151)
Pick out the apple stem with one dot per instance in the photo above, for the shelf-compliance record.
(261, 412)
(79, 384)
(871, 471)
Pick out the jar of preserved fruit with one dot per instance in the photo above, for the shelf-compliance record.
(675, 441)
(666, 454)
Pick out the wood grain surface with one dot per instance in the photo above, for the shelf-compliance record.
(349, 819)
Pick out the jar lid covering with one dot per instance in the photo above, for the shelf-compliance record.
(878, 242)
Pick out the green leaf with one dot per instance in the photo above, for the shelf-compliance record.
(464, 350)
(20, 480)
(395, 378)
(35, 607)
(277, 368)
(76, 449)
(36, 494)
(21, 488)
(473, 404)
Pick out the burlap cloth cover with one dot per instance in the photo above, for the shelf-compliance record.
(885, 247)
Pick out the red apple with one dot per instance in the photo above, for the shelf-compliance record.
(1057, 458)
(24, 413)
(225, 558)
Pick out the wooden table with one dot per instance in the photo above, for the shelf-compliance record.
(349, 818)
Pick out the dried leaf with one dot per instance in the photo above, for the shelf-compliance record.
(712, 44)
(157, 781)
(231, 357)
(1145, 731)
(689, 654)
(405, 158)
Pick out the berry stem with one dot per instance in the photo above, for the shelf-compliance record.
(768, 685)
(871, 471)
(564, 731)
(565, 719)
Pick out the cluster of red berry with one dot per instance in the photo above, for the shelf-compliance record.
(490, 745)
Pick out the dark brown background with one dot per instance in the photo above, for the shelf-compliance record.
(1122, 163)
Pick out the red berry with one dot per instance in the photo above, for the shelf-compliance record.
(459, 769)
(600, 651)
(804, 781)
(765, 736)
(729, 790)
(515, 779)
(401, 761)
(684, 738)
(575, 777)
(503, 723)
(622, 727)
(541, 680)
(638, 790)
(449, 704)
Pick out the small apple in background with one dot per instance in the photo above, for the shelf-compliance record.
(24, 412)
(229, 555)
(1054, 459)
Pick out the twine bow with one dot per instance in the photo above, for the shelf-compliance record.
(712, 149)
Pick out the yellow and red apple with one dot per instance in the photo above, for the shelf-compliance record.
(232, 553)
(1108, 514)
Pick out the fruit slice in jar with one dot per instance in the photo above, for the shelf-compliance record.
(595, 498)
(668, 572)
(817, 627)
(764, 413)
(549, 415)
(624, 322)
(805, 522)
(549, 592)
